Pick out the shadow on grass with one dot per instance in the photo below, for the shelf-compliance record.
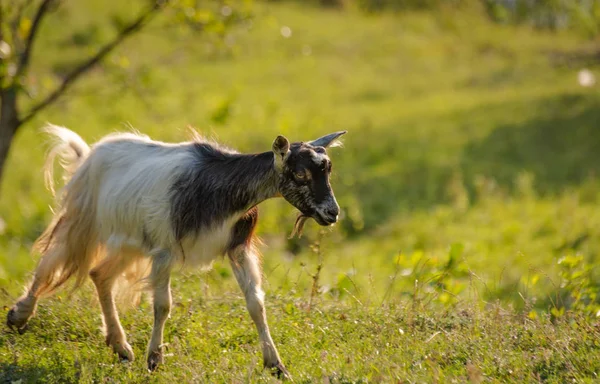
(406, 167)
(15, 373)
(560, 148)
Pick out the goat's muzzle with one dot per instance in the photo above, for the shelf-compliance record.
(327, 216)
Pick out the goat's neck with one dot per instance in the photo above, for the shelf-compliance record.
(260, 180)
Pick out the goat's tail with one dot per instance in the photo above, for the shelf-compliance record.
(69, 245)
(69, 147)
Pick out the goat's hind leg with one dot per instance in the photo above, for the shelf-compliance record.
(44, 280)
(24, 308)
(104, 276)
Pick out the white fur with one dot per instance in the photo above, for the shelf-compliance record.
(130, 185)
(202, 249)
(132, 189)
(70, 147)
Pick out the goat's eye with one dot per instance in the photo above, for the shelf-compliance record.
(300, 175)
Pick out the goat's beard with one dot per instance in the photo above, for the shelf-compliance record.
(299, 225)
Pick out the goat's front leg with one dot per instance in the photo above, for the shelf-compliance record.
(246, 268)
(161, 280)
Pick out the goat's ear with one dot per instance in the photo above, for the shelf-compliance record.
(327, 140)
(281, 147)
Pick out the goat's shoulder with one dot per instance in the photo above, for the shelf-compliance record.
(207, 151)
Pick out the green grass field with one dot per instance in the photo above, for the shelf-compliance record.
(470, 236)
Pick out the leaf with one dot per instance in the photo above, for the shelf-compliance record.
(343, 282)
(124, 62)
(203, 16)
(532, 315)
(24, 27)
(456, 251)
(289, 308)
(557, 312)
(534, 279)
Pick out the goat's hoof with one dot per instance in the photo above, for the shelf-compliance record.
(23, 329)
(278, 370)
(155, 358)
(124, 351)
(13, 321)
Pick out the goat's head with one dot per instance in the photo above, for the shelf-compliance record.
(304, 170)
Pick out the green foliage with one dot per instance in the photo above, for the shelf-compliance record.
(580, 15)
(378, 5)
(579, 286)
(217, 17)
(433, 279)
(436, 154)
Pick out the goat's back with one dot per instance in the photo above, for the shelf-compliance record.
(128, 179)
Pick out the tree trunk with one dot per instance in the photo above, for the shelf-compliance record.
(9, 123)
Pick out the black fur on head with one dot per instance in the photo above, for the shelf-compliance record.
(304, 170)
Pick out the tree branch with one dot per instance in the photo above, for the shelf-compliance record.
(2, 61)
(37, 20)
(1, 22)
(87, 65)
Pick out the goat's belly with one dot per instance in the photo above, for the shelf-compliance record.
(202, 249)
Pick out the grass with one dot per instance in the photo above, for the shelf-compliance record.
(469, 244)
(211, 339)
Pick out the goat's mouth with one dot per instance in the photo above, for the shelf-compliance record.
(301, 220)
(324, 220)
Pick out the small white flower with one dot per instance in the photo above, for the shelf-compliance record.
(226, 11)
(586, 78)
(286, 31)
(4, 50)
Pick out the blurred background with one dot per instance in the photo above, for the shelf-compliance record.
(470, 163)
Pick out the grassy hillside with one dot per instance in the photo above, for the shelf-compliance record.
(467, 182)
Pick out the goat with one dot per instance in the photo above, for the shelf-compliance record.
(129, 200)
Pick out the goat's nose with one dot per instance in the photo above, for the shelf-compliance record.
(333, 212)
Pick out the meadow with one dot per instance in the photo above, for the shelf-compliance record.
(469, 240)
